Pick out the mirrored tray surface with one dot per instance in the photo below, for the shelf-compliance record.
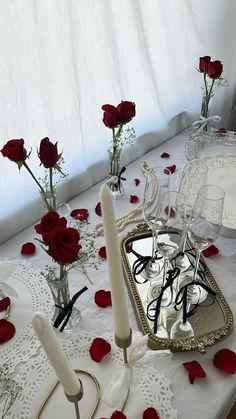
(212, 319)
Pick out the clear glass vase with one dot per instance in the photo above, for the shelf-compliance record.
(49, 200)
(61, 295)
(116, 186)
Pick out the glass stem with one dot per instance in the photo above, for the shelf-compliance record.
(153, 245)
(196, 265)
(164, 271)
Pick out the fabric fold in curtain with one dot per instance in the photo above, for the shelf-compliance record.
(61, 61)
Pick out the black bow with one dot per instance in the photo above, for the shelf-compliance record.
(66, 311)
(182, 297)
(120, 178)
(170, 277)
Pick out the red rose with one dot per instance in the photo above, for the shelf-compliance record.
(110, 116)
(48, 153)
(63, 244)
(80, 214)
(215, 69)
(203, 63)
(14, 150)
(126, 111)
(99, 348)
(28, 248)
(48, 222)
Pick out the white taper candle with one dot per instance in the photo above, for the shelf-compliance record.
(119, 307)
(56, 356)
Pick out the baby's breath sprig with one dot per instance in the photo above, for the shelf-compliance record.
(9, 389)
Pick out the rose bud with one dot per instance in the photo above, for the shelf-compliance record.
(126, 111)
(14, 150)
(48, 153)
(215, 69)
(203, 63)
(110, 116)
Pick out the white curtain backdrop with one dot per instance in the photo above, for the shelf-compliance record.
(61, 60)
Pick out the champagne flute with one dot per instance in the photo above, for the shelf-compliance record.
(204, 229)
(162, 176)
(198, 179)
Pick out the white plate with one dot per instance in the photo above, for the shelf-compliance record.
(221, 172)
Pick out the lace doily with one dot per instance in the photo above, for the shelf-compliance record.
(31, 367)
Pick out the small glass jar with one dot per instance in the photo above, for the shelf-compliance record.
(49, 200)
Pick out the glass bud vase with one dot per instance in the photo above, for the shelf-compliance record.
(49, 200)
(61, 296)
(116, 186)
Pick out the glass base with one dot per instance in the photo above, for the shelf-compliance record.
(152, 270)
(167, 298)
(196, 294)
(183, 263)
(72, 322)
(181, 330)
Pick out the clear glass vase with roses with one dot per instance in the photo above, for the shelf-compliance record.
(62, 244)
(49, 158)
(115, 117)
(212, 81)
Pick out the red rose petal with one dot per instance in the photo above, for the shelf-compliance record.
(80, 214)
(28, 248)
(118, 415)
(102, 252)
(128, 248)
(7, 330)
(150, 413)
(4, 303)
(225, 359)
(165, 155)
(210, 251)
(222, 131)
(98, 209)
(103, 298)
(99, 348)
(133, 199)
(170, 212)
(194, 370)
(172, 169)
(137, 182)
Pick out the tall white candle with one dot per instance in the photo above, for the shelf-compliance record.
(56, 356)
(119, 307)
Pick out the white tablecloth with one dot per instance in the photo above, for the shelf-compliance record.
(210, 398)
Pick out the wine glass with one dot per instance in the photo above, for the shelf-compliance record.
(182, 328)
(204, 229)
(157, 179)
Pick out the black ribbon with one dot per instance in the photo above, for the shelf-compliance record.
(182, 298)
(66, 311)
(120, 178)
(140, 264)
(170, 277)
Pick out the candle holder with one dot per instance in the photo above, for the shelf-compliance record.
(124, 344)
(75, 399)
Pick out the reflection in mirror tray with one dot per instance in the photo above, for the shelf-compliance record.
(180, 325)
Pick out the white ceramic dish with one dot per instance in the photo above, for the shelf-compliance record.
(221, 172)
